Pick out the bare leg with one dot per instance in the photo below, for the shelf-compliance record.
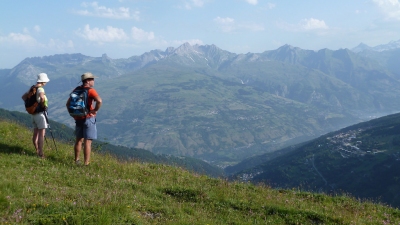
(35, 140)
(87, 150)
(78, 147)
(40, 141)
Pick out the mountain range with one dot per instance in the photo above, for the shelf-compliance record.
(221, 107)
(379, 48)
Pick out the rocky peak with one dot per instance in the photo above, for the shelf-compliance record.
(184, 49)
(105, 58)
(169, 50)
(361, 47)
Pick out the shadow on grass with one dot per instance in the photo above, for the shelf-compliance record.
(49, 152)
(12, 149)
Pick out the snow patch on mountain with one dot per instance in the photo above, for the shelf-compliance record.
(379, 48)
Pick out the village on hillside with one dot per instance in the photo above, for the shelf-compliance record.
(348, 146)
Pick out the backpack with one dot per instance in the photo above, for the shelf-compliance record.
(31, 104)
(78, 102)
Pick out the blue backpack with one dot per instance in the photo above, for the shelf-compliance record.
(78, 102)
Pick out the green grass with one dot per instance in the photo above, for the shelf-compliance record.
(56, 191)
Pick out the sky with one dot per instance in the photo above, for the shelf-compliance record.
(125, 28)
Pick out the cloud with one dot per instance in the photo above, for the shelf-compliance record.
(271, 5)
(193, 3)
(101, 11)
(18, 38)
(304, 25)
(252, 27)
(226, 24)
(37, 28)
(110, 34)
(60, 45)
(113, 34)
(313, 24)
(391, 8)
(141, 35)
(252, 2)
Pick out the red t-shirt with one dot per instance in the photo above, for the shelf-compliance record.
(92, 93)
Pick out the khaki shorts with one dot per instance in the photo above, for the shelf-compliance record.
(39, 121)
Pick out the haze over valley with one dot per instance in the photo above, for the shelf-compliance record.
(205, 102)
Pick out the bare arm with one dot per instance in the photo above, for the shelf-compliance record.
(98, 101)
(41, 95)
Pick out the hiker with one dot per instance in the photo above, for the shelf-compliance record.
(85, 126)
(38, 114)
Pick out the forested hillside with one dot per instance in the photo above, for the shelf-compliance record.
(363, 160)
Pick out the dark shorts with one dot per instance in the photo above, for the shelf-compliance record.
(86, 128)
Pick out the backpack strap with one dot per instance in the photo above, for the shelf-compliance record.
(39, 107)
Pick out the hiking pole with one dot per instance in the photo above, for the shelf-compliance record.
(51, 132)
(46, 141)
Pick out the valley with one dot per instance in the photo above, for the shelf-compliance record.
(204, 102)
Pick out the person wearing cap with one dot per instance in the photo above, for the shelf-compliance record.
(85, 127)
(39, 118)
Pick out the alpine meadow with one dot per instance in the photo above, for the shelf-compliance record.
(200, 135)
(56, 191)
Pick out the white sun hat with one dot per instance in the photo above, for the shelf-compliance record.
(42, 77)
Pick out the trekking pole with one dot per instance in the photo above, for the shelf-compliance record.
(46, 141)
(51, 132)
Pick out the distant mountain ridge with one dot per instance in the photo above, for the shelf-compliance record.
(205, 102)
(30, 67)
(379, 48)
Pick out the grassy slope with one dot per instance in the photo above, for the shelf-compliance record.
(65, 134)
(56, 191)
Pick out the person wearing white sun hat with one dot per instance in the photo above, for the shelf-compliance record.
(39, 118)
